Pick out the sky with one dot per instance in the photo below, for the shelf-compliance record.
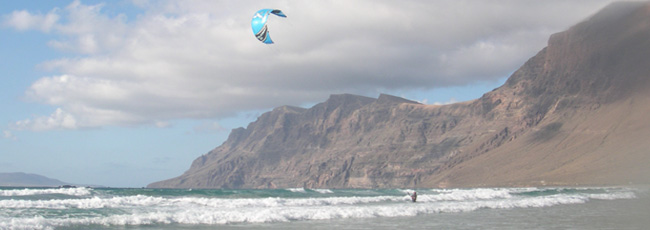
(128, 92)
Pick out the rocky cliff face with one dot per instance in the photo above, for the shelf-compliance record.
(574, 113)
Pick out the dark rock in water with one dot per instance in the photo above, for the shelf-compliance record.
(575, 113)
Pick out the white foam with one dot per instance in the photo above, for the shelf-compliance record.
(145, 210)
(296, 190)
(467, 194)
(455, 195)
(323, 191)
(181, 214)
(282, 202)
(32, 192)
(143, 201)
(85, 203)
(613, 196)
(36, 222)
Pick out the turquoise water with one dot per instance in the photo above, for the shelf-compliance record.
(298, 208)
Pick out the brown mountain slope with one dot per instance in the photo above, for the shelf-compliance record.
(606, 145)
(576, 113)
(590, 122)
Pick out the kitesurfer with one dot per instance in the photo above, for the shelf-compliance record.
(414, 196)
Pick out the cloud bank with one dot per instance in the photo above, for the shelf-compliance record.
(199, 59)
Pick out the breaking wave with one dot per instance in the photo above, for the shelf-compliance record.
(129, 210)
(296, 190)
(324, 191)
(42, 191)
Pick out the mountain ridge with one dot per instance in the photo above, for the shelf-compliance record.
(20, 179)
(572, 114)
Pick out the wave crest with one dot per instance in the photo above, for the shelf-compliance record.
(42, 191)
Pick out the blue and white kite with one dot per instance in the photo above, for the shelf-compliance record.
(258, 23)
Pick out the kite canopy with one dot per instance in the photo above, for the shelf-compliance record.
(259, 26)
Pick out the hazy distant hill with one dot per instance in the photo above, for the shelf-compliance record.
(20, 179)
(575, 113)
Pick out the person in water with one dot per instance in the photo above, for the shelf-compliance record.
(414, 196)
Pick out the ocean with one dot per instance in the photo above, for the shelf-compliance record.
(299, 208)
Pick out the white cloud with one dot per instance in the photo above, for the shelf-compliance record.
(199, 59)
(7, 134)
(451, 101)
(58, 120)
(209, 127)
(162, 124)
(23, 20)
